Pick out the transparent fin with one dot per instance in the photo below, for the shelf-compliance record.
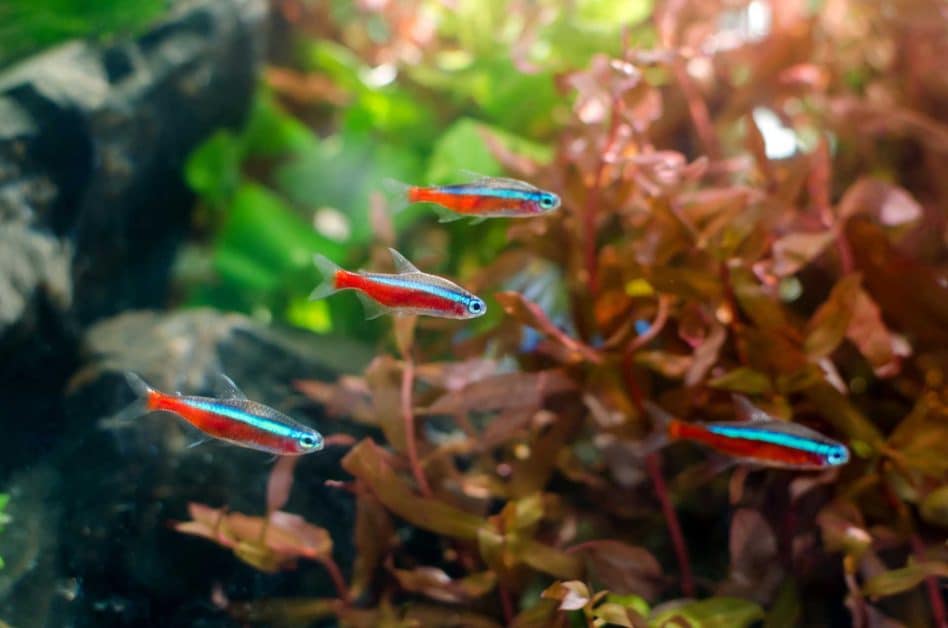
(446, 215)
(497, 182)
(328, 269)
(396, 194)
(372, 308)
(746, 411)
(402, 265)
(225, 388)
(478, 220)
(127, 415)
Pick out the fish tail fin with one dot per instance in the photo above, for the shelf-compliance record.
(398, 195)
(665, 428)
(137, 408)
(328, 269)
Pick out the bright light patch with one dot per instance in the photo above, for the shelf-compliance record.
(332, 223)
(311, 315)
(780, 142)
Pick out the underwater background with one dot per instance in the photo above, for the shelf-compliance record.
(752, 205)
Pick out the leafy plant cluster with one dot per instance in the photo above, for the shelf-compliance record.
(28, 26)
(753, 203)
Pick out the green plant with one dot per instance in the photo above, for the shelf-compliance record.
(27, 26)
(4, 517)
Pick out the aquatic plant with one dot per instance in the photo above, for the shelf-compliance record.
(750, 205)
(27, 26)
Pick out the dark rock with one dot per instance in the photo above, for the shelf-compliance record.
(116, 561)
(92, 200)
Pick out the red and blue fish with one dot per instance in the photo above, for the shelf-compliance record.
(232, 418)
(484, 197)
(408, 291)
(760, 439)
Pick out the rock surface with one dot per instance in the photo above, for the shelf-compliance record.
(92, 200)
(93, 548)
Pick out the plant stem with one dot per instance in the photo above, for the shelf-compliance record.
(931, 586)
(654, 467)
(342, 589)
(506, 603)
(408, 379)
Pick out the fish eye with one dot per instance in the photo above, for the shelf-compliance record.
(838, 455)
(475, 306)
(549, 201)
(310, 441)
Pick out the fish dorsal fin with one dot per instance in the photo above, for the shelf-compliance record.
(746, 411)
(371, 307)
(225, 388)
(402, 265)
(483, 180)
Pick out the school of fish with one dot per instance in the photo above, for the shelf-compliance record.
(758, 440)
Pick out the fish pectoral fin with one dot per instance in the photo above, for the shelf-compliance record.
(402, 265)
(199, 442)
(446, 215)
(478, 220)
(371, 307)
(225, 388)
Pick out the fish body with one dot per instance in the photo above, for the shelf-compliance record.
(485, 197)
(232, 418)
(762, 440)
(409, 291)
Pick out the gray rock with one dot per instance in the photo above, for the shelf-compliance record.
(93, 204)
(116, 561)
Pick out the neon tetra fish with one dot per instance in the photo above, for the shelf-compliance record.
(484, 197)
(232, 418)
(761, 439)
(409, 291)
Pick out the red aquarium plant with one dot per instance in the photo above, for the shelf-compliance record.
(751, 207)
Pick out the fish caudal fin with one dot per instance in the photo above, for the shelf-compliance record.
(397, 194)
(328, 270)
(664, 429)
(140, 407)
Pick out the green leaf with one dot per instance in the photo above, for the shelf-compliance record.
(716, 612)
(900, 580)
(366, 461)
(743, 380)
(213, 168)
(934, 508)
(461, 148)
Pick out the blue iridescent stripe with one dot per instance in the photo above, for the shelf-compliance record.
(511, 193)
(262, 423)
(774, 438)
(408, 284)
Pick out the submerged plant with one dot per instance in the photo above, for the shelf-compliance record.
(747, 209)
(4, 517)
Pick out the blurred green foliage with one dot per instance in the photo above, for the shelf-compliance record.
(277, 191)
(27, 26)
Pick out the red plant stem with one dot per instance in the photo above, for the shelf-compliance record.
(931, 585)
(342, 589)
(698, 109)
(654, 467)
(860, 614)
(408, 379)
(506, 603)
(592, 199)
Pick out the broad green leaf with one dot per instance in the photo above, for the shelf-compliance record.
(743, 380)
(934, 508)
(461, 148)
(786, 608)
(716, 612)
(213, 168)
(366, 461)
(900, 580)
